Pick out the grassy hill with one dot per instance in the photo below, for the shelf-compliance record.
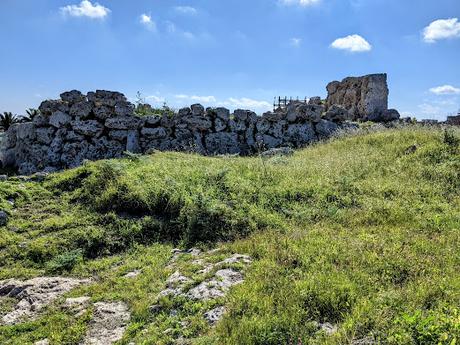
(362, 232)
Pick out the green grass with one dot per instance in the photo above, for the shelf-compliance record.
(360, 232)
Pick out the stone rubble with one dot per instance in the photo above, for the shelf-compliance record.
(213, 287)
(108, 324)
(34, 294)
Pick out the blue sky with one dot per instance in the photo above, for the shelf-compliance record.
(237, 53)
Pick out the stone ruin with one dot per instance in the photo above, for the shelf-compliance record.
(365, 98)
(103, 124)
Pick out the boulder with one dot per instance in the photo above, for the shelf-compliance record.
(361, 96)
(220, 125)
(119, 135)
(73, 136)
(154, 133)
(262, 125)
(222, 113)
(102, 112)
(184, 112)
(325, 129)
(265, 141)
(73, 96)
(3, 218)
(222, 143)
(152, 120)
(81, 109)
(240, 115)
(198, 123)
(337, 113)
(124, 109)
(10, 137)
(50, 106)
(197, 109)
(40, 120)
(60, 119)
(91, 128)
(132, 142)
(385, 116)
(108, 98)
(123, 122)
(26, 131)
(45, 135)
(315, 101)
(300, 134)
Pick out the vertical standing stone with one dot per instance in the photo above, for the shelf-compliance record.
(132, 142)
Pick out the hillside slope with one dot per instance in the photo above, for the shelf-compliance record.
(355, 241)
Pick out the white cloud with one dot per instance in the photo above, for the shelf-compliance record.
(186, 10)
(303, 3)
(146, 20)
(247, 103)
(430, 109)
(295, 42)
(204, 99)
(445, 90)
(86, 9)
(155, 99)
(441, 29)
(353, 43)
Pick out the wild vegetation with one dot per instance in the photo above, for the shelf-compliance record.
(361, 232)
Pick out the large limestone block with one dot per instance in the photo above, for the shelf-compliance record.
(60, 119)
(361, 96)
(123, 122)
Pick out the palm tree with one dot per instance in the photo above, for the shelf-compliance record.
(31, 113)
(7, 119)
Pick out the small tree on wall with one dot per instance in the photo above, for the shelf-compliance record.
(7, 119)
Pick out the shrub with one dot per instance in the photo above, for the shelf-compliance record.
(64, 262)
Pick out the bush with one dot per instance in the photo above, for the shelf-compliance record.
(64, 262)
(441, 327)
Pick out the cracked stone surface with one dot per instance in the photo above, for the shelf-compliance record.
(34, 294)
(108, 324)
(214, 315)
(217, 286)
(212, 288)
(133, 274)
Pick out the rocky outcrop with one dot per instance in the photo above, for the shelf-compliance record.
(364, 98)
(108, 324)
(34, 294)
(102, 125)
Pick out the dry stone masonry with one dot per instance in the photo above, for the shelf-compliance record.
(365, 98)
(103, 124)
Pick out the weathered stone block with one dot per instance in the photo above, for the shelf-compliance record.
(90, 128)
(73, 96)
(45, 135)
(300, 134)
(361, 96)
(26, 131)
(81, 109)
(59, 119)
(325, 129)
(154, 133)
(222, 143)
(132, 142)
(123, 122)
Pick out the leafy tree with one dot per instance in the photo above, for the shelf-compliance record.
(7, 119)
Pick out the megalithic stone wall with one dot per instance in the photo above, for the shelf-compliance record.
(365, 98)
(102, 124)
